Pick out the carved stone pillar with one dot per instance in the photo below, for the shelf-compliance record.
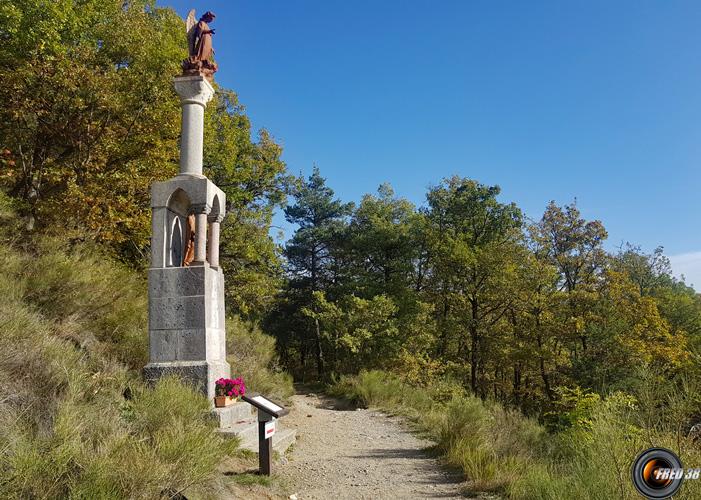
(200, 233)
(214, 228)
(195, 92)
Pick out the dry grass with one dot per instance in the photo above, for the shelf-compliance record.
(75, 418)
(499, 450)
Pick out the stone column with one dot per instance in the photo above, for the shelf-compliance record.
(195, 92)
(186, 304)
(200, 233)
(214, 227)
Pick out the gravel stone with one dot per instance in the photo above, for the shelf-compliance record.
(363, 454)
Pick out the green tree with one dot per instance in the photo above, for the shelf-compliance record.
(534, 345)
(357, 333)
(472, 239)
(380, 245)
(310, 252)
(255, 181)
(629, 333)
(678, 303)
(647, 271)
(574, 247)
(86, 114)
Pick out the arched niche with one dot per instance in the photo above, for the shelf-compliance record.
(177, 210)
(216, 208)
(176, 243)
(179, 202)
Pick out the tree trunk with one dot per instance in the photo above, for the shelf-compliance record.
(541, 360)
(474, 354)
(474, 360)
(319, 352)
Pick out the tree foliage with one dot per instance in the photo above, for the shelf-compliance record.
(255, 181)
(86, 114)
(465, 288)
(89, 120)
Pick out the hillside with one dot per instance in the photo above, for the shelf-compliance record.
(75, 418)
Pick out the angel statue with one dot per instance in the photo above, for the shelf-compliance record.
(199, 41)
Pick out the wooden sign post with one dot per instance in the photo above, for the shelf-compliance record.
(268, 411)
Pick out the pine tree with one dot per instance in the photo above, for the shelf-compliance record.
(310, 259)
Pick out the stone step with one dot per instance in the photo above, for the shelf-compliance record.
(232, 414)
(282, 440)
(246, 429)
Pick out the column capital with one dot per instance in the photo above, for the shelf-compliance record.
(193, 90)
(200, 208)
(218, 218)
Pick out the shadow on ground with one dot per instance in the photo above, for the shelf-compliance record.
(326, 402)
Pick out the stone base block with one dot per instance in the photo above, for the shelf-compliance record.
(231, 415)
(199, 374)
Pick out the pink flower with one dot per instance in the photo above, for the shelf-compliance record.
(230, 387)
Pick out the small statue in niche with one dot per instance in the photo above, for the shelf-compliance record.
(189, 254)
(199, 41)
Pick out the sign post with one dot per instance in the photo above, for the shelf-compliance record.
(268, 412)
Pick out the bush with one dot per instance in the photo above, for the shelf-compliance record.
(252, 356)
(380, 389)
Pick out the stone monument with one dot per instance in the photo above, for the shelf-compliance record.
(185, 283)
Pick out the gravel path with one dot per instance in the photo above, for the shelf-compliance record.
(347, 453)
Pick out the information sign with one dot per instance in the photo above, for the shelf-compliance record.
(266, 405)
(268, 411)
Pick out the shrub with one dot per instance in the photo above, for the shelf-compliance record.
(252, 356)
(380, 389)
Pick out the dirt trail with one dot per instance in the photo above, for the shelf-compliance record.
(347, 453)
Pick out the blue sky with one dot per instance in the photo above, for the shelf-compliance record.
(598, 101)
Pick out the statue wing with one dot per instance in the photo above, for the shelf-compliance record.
(190, 24)
(190, 21)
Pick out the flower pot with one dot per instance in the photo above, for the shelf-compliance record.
(222, 401)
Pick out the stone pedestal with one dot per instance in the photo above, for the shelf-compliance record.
(186, 302)
(186, 325)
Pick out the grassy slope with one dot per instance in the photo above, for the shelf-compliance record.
(500, 450)
(75, 418)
